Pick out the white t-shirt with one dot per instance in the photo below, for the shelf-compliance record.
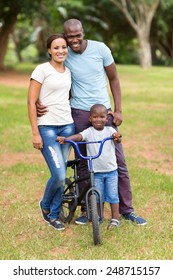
(106, 162)
(54, 94)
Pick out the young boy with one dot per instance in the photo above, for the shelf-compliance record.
(105, 167)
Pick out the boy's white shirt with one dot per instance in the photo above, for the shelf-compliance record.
(107, 160)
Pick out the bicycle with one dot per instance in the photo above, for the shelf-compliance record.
(71, 197)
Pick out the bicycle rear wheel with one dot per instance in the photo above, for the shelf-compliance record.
(95, 220)
(69, 202)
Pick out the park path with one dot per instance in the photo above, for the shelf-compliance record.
(13, 78)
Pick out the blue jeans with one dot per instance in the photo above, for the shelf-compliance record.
(107, 184)
(56, 157)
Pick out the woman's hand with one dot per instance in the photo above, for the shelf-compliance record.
(37, 142)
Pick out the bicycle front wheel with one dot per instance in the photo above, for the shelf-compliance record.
(95, 220)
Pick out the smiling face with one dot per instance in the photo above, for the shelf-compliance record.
(58, 50)
(74, 34)
(98, 117)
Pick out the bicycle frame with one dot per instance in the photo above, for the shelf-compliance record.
(92, 189)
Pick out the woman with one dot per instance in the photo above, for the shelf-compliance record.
(51, 83)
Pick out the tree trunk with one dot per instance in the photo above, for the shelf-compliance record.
(3, 43)
(4, 34)
(143, 13)
(145, 52)
(17, 50)
(7, 28)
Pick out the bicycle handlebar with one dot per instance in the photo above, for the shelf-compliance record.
(76, 145)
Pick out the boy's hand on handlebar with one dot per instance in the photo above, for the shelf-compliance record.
(61, 139)
(117, 137)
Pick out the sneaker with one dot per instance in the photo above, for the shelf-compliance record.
(134, 218)
(82, 220)
(56, 224)
(113, 224)
(44, 215)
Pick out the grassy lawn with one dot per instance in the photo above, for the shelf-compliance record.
(147, 138)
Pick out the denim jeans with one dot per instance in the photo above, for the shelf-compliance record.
(107, 184)
(56, 156)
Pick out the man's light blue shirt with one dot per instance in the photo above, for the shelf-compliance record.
(89, 83)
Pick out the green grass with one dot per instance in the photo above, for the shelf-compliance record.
(147, 138)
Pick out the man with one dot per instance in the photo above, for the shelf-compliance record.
(90, 63)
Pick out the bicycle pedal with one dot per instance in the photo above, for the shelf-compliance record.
(68, 197)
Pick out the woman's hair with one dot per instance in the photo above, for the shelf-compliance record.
(52, 37)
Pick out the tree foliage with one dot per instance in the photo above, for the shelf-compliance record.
(162, 34)
(9, 12)
(125, 26)
(139, 15)
(38, 13)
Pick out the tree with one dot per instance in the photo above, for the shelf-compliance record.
(8, 15)
(140, 14)
(10, 10)
(162, 34)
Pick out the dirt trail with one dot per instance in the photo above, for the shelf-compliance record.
(13, 78)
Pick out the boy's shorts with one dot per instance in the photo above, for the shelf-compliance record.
(107, 184)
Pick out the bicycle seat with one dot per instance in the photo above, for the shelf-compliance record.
(73, 162)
